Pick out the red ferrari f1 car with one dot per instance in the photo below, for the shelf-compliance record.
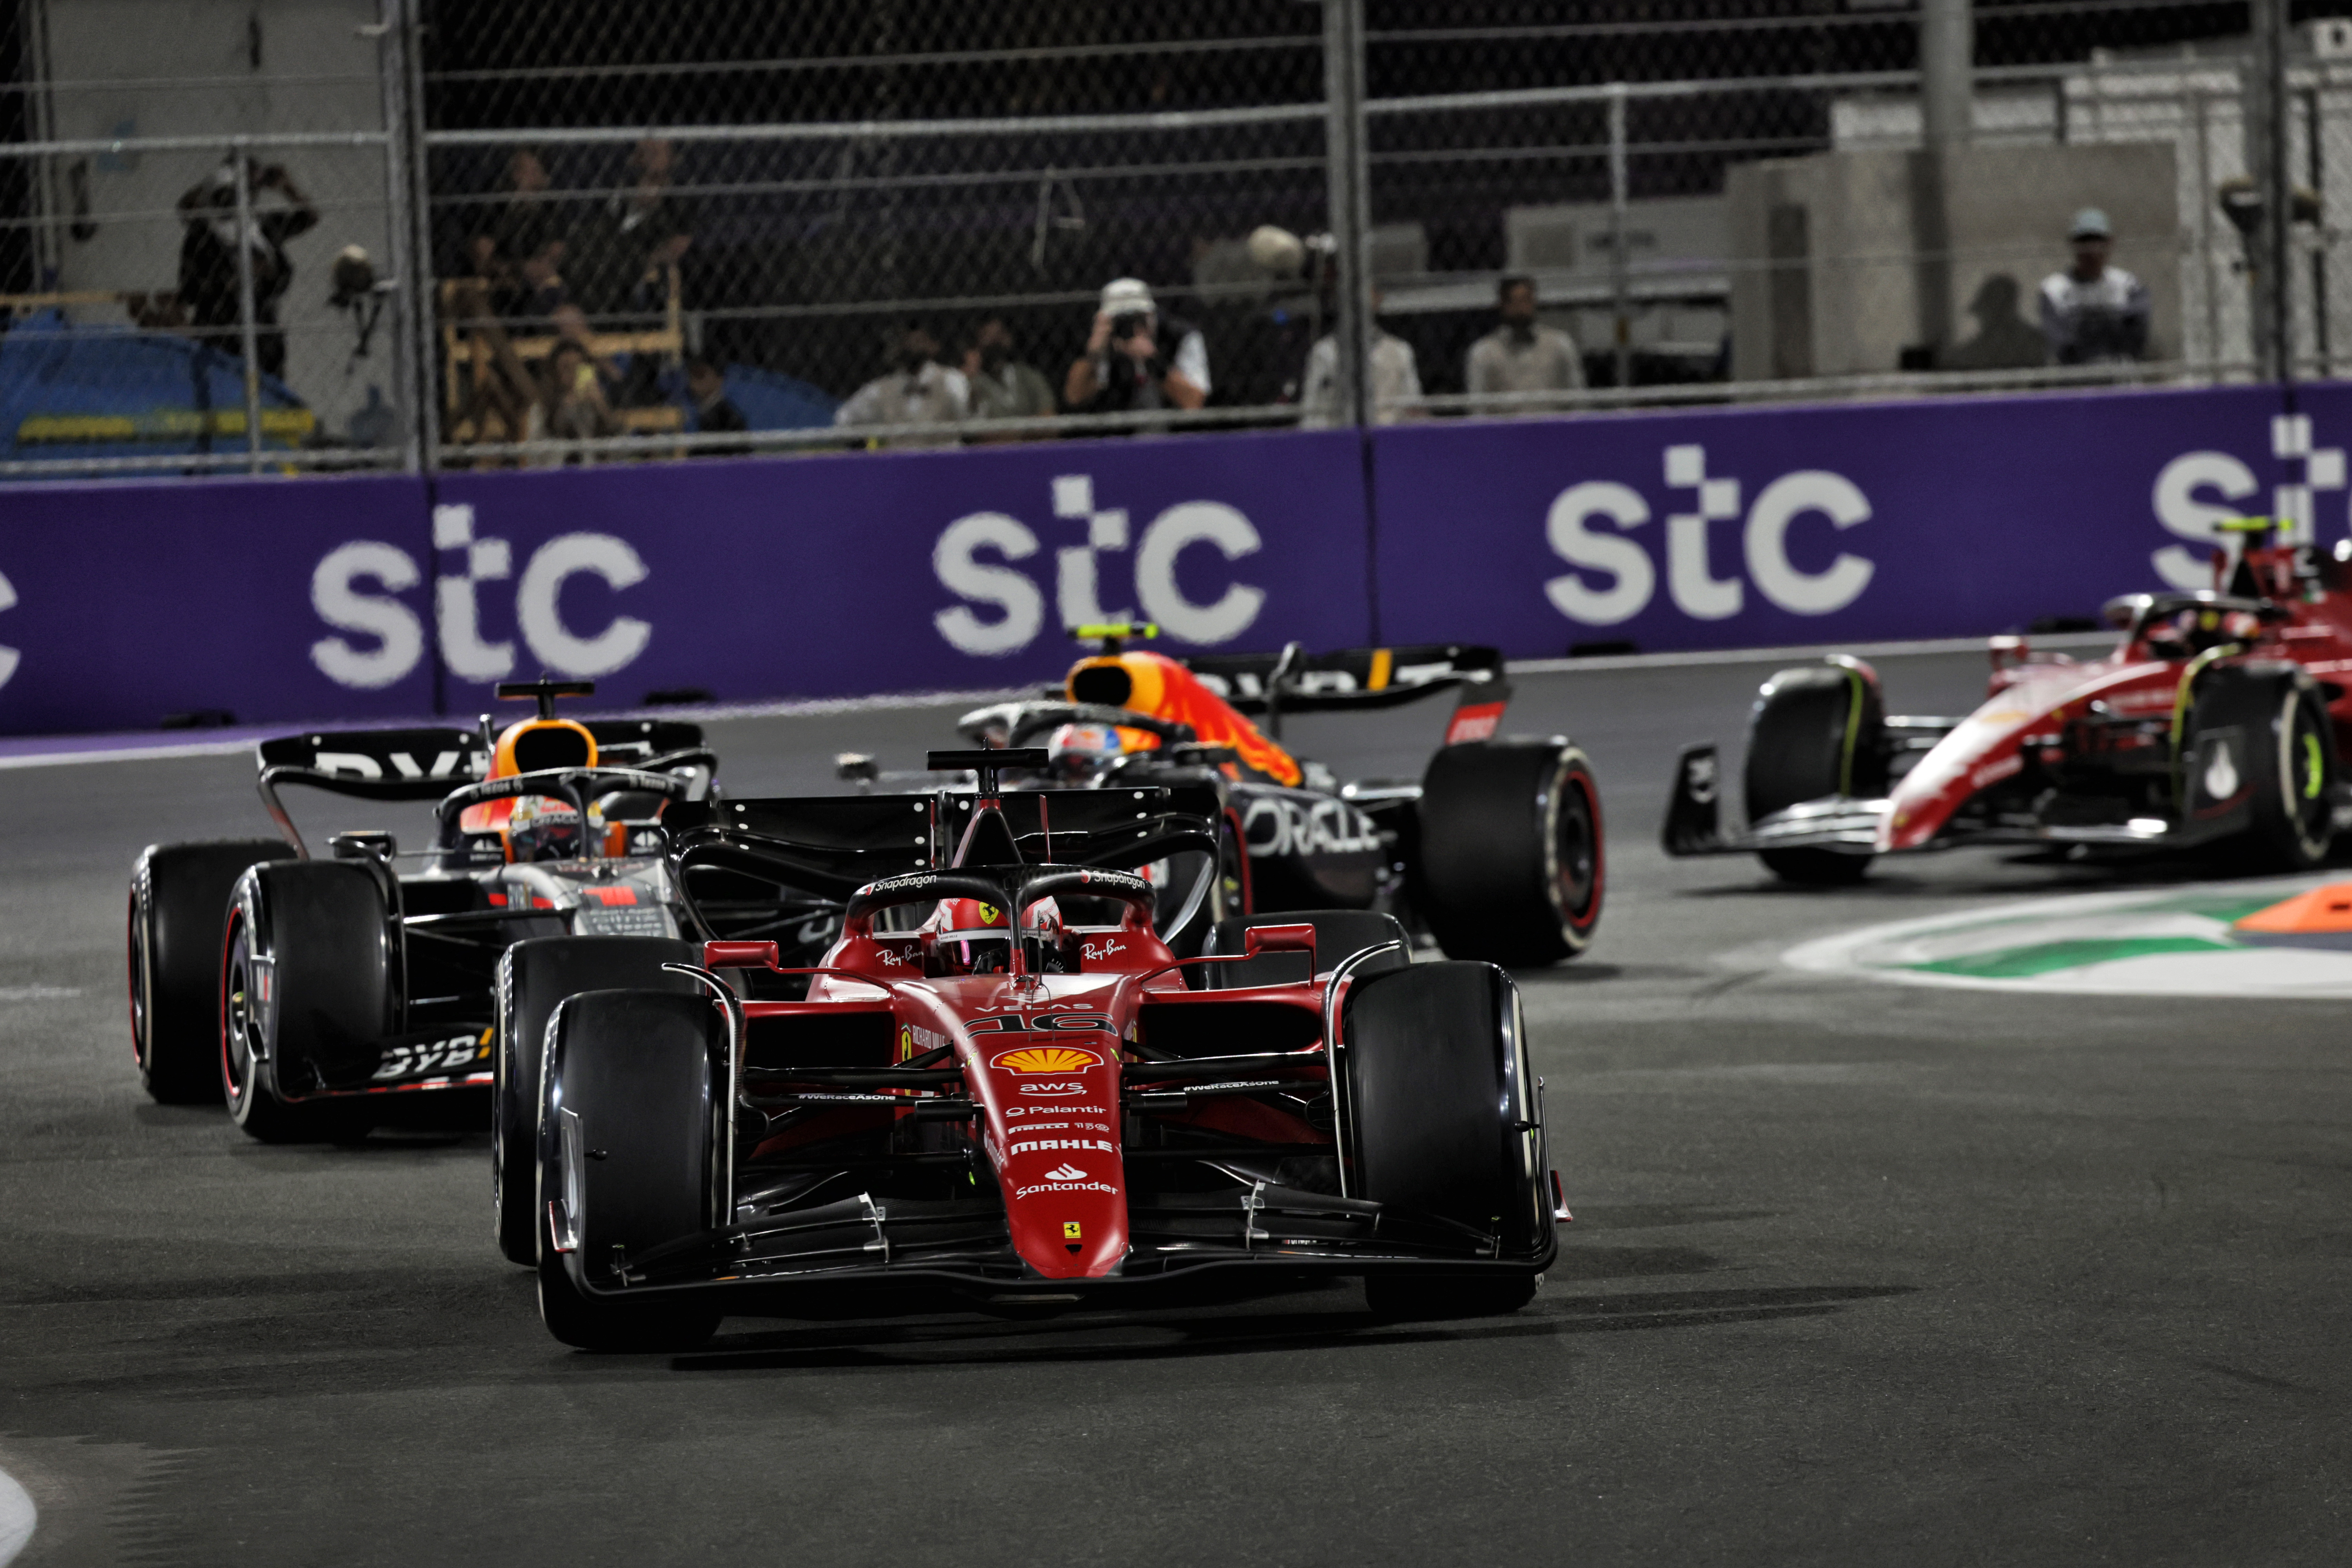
(1000, 1083)
(2218, 719)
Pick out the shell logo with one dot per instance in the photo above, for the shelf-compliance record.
(1046, 1058)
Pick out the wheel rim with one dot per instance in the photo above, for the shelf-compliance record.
(1576, 849)
(138, 984)
(2306, 774)
(238, 1020)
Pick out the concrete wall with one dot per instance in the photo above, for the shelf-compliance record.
(1827, 278)
(186, 67)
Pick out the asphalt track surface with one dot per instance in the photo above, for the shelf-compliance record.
(1859, 1273)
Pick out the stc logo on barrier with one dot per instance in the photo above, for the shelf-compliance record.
(1017, 606)
(2181, 484)
(340, 594)
(1588, 523)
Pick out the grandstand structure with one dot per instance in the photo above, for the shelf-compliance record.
(826, 176)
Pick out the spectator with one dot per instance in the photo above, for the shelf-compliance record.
(1124, 367)
(1393, 374)
(208, 256)
(574, 407)
(520, 251)
(714, 411)
(917, 391)
(2093, 313)
(1520, 355)
(1002, 386)
(633, 238)
(570, 324)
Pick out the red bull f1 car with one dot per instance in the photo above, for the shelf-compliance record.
(2219, 720)
(1496, 851)
(304, 990)
(999, 1081)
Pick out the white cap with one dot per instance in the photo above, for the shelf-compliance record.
(1122, 295)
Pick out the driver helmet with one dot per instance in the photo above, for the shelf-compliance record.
(540, 828)
(1080, 751)
(2201, 626)
(970, 936)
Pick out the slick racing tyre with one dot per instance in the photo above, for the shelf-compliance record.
(534, 976)
(1818, 730)
(179, 908)
(2267, 724)
(1446, 1122)
(1512, 867)
(631, 1113)
(1339, 935)
(307, 983)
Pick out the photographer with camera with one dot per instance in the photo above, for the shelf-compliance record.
(1129, 363)
(278, 211)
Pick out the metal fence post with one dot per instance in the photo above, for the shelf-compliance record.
(409, 136)
(248, 325)
(1947, 120)
(1621, 281)
(1351, 202)
(2315, 135)
(400, 234)
(2267, 160)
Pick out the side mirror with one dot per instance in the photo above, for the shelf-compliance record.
(1279, 939)
(741, 956)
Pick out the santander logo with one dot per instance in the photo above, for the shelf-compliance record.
(1065, 1172)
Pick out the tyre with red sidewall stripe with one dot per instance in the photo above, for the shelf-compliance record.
(1512, 866)
(178, 915)
(307, 978)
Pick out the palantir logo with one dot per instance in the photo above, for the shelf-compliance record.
(1628, 579)
(1003, 608)
(341, 594)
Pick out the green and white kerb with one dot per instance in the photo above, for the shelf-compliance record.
(2172, 941)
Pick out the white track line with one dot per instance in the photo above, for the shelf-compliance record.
(127, 755)
(17, 1517)
(1766, 655)
(812, 707)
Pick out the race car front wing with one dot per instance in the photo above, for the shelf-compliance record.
(1846, 825)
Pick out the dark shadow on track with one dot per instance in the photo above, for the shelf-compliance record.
(986, 1342)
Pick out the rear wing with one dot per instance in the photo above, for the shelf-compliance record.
(376, 764)
(1292, 681)
(630, 743)
(372, 764)
(1299, 682)
(1118, 828)
(830, 846)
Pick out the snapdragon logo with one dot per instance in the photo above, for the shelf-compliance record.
(1003, 608)
(1588, 526)
(355, 589)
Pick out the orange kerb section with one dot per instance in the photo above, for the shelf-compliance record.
(2328, 908)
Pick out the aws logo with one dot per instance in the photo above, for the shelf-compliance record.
(1046, 1058)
